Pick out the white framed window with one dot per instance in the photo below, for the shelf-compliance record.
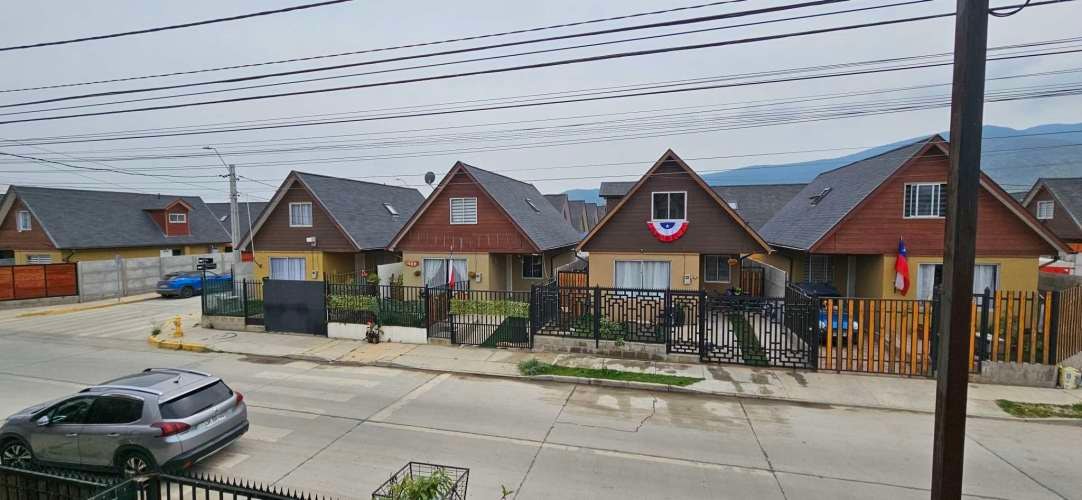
(669, 205)
(533, 266)
(439, 272)
(643, 274)
(1046, 210)
(300, 214)
(178, 218)
(925, 200)
(716, 268)
(22, 220)
(463, 210)
(39, 259)
(287, 268)
(930, 276)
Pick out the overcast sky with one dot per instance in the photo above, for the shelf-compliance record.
(374, 24)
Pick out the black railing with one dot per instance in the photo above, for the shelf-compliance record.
(491, 318)
(386, 305)
(51, 484)
(241, 299)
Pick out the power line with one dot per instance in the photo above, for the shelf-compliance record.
(441, 53)
(383, 49)
(523, 98)
(563, 62)
(174, 26)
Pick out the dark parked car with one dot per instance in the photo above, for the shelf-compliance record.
(187, 283)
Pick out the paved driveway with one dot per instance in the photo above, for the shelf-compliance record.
(341, 431)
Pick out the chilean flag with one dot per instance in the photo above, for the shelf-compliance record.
(667, 230)
(451, 274)
(901, 270)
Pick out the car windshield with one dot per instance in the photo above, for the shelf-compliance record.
(196, 401)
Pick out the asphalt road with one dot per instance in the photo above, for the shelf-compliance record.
(341, 431)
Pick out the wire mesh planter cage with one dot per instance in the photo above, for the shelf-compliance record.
(419, 480)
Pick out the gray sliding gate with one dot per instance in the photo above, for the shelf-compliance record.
(295, 306)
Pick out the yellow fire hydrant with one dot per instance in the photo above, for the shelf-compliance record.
(178, 328)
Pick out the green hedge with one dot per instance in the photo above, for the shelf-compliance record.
(368, 303)
(387, 311)
(491, 307)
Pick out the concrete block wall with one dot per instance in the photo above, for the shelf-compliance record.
(100, 279)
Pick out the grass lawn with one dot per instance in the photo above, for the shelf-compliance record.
(1039, 410)
(534, 367)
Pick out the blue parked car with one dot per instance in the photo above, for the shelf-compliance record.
(187, 283)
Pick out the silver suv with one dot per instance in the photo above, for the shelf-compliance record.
(162, 418)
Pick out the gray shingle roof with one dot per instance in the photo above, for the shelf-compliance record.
(221, 211)
(1069, 193)
(591, 215)
(541, 222)
(558, 201)
(578, 211)
(757, 203)
(358, 207)
(799, 224)
(610, 189)
(77, 219)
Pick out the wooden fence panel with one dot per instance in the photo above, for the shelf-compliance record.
(877, 336)
(29, 282)
(1069, 328)
(7, 283)
(61, 280)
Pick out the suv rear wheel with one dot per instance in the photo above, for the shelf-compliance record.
(15, 453)
(135, 463)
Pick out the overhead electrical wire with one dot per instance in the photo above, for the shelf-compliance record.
(173, 26)
(383, 49)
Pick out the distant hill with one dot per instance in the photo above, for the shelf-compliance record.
(1014, 158)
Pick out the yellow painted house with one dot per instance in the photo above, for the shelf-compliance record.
(45, 225)
(844, 229)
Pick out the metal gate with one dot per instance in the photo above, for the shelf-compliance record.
(760, 332)
(295, 306)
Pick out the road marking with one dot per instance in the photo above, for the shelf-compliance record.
(266, 434)
(386, 413)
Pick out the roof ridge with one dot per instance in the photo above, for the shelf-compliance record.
(467, 165)
(759, 185)
(884, 153)
(161, 195)
(298, 172)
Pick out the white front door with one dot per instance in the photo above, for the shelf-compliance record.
(287, 268)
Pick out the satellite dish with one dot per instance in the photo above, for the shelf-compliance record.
(430, 178)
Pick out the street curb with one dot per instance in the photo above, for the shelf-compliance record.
(72, 309)
(648, 387)
(176, 344)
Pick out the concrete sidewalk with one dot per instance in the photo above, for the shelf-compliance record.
(798, 386)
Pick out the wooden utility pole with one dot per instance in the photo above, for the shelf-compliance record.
(963, 186)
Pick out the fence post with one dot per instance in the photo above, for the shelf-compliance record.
(597, 317)
(244, 297)
(668, 320)
(532, 315)
(982, 348)
(428, 323)
(1053, 338)
(702, 324)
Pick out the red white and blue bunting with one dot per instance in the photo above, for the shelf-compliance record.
(667, 230)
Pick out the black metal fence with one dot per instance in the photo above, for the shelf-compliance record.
(241, 299)
(491, 318)
(49, 484)
(385, 305)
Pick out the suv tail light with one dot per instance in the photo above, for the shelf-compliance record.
(171, 428)
(240, 397)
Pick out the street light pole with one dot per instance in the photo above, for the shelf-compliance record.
(234, 209)
(959, 247)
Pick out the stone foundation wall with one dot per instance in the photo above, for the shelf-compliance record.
(1027, 374)
(627, 350)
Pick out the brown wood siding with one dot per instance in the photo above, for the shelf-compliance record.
(12, 239)
(174, 229)
(875, 226)
(710, 229)
(276, 235)
(1061, 224)
(494, 231)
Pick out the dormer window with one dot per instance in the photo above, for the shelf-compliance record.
(1046, 210)
(671, 205)
(22, 220)
(178, 218)
(300, 214)
(926, 200)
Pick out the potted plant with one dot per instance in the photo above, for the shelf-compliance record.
(374, 333)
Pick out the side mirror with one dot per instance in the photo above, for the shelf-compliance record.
(43, 421)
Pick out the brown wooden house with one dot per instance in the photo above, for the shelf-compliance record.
(498, 232)
(843, 229)
(318, 227)
(1057, 204)
(628, 250)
